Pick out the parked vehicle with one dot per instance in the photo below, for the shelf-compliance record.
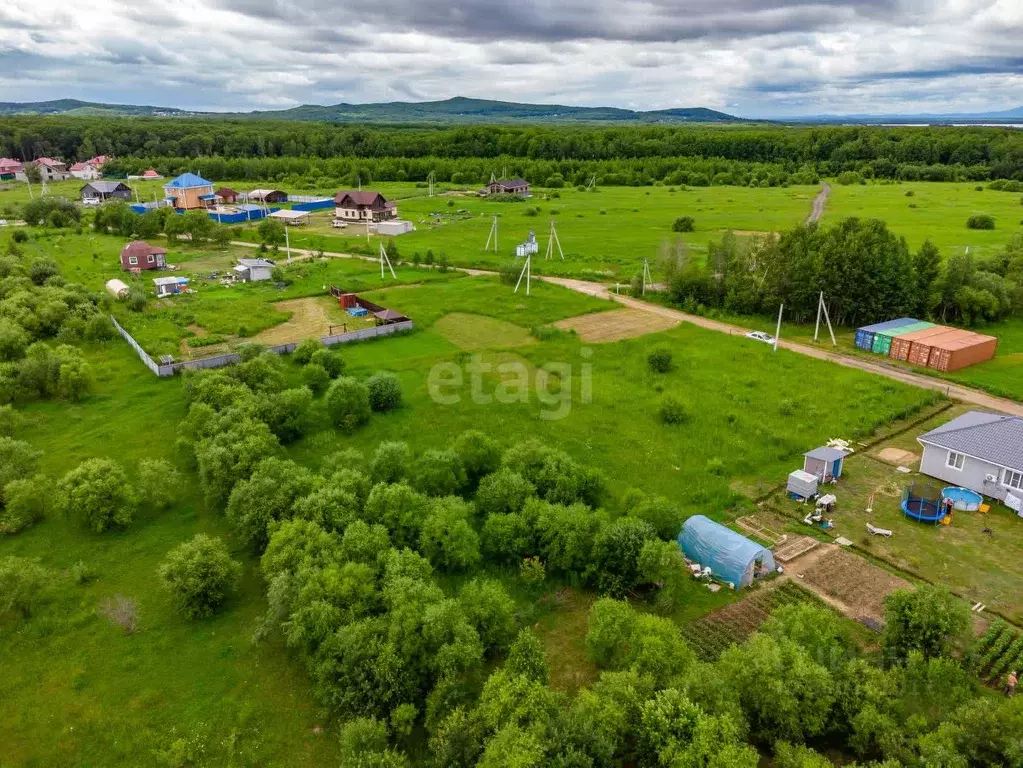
(338, 224)
(760, 336)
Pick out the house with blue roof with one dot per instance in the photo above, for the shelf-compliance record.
(189, 192)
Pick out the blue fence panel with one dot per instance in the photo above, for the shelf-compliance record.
(316, 205)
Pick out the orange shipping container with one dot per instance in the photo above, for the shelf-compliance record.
(952, 356)
(902, 344)
(920, 353)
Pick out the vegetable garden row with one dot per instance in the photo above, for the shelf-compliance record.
(713, 633)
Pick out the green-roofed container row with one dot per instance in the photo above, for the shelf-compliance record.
(883, 339)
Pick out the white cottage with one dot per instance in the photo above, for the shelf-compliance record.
(980, 451)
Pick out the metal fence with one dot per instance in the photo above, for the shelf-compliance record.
(313, 204)
(229, 358)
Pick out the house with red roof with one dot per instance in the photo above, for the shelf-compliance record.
(11, 169)
(138, 255)
(363, 206)
(86, 170)
(51, 169)
(151, 174)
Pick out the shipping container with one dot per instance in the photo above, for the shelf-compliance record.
(920, 352)
(976, 348)
(882, 343)
(901, 344)
(865, 335)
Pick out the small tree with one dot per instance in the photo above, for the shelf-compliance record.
(480, 454)
(24, 503)
(684, 224)
(24, 585)
(390, 462)
(673, 411)
(659, 359)
(502, 492)
(980, 221)
(271, 232)
(316, 378)
(98, 490)
(526, 657)
(199, 574)
(439, 473)
(304, 352)
(17, 460)
(159, 481)
(348, 404)
(928, 619)
(331, 361)
(384, 392)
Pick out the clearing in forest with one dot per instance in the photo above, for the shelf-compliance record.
(616, 325)
(468, 331)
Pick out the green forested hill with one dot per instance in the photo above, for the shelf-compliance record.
(455, 110)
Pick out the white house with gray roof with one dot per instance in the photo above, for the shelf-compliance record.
(253, 269)
(978, 450)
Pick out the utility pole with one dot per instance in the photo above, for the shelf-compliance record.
(647, 277)
(287, 241)
(551, 240)
(777, 331)
(823, 308)
(384, 259)
(527, 272)
(492, 236)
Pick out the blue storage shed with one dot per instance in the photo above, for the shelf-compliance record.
(865, 335)
(729, 555)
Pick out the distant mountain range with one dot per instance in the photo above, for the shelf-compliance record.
(461, 110)
(455, 110)
(1006, 116)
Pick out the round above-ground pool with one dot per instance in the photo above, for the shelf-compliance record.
(925, 510)
(963, 499)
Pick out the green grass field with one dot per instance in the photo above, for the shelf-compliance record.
(935, 211)
(605, 234)
(77, 691)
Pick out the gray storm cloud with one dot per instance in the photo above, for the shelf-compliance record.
(747, 56)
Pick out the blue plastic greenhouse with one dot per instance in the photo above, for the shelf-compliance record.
(730, 556)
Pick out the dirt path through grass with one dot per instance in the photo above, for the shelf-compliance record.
(819, 203)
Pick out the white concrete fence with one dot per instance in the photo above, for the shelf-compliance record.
(228, 358)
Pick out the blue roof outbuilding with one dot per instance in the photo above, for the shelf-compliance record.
(188, 181)
(729, 555)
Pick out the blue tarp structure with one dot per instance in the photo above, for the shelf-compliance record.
(729, 555)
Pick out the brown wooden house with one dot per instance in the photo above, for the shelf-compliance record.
(138, 255)
(227, 195)
(518, 187)
(363, 206)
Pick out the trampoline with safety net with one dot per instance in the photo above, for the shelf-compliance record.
(923, 502)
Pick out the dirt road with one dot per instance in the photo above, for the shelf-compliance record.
(955, 391)
(819, 203)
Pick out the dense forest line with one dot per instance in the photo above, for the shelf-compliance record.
(869, 273)
(933, 153)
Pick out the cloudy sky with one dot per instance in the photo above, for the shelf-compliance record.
(748, 57)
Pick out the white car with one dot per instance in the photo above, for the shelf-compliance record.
(760, 336)
(90, 202)
(338, 224)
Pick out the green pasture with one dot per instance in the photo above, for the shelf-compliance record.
(935, 211)
(605, 233)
